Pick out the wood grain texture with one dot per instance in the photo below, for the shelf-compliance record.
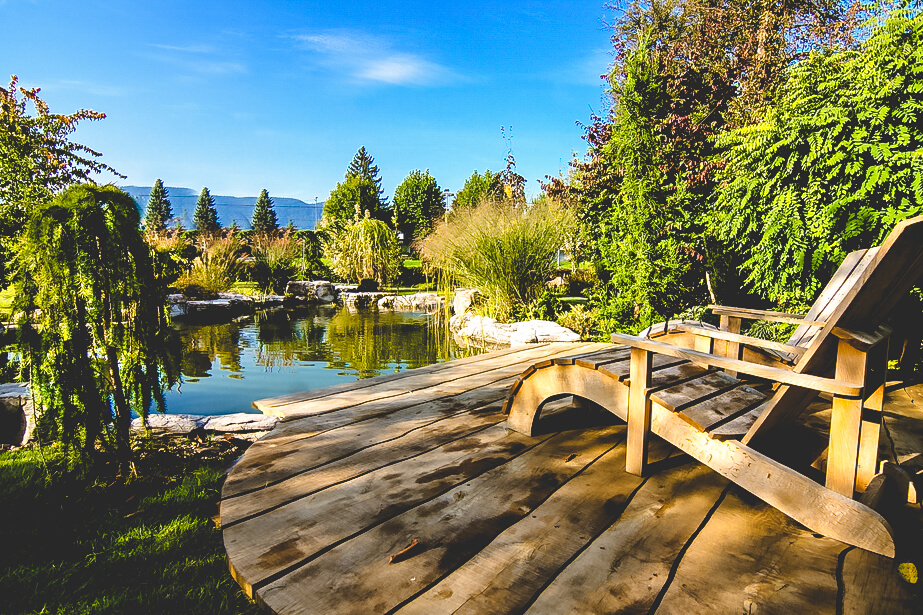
(451, 529)
(639, 412)
(624, 568)
(509, 572)
(755, 560)
(816, 507)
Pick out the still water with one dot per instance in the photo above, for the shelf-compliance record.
(226, 366)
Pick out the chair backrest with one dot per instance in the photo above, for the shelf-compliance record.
(846, 277)
(890, 273)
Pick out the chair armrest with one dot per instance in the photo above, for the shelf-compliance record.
(717, 334)
(795, 319)
(806, 381)
(861, 340)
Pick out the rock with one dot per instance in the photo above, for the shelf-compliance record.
(176, 423)
(419, 302)
(311, 291)
(355, 299)
(463, 299)
(488, 330)
(17, 416)
(238, 422)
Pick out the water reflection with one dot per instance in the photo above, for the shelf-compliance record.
(226, 366)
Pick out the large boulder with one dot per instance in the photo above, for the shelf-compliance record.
(463, 299)
(489, 331)
(238, 422)
(419, 302)
(311, 291)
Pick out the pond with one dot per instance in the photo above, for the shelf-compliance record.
(228, 365)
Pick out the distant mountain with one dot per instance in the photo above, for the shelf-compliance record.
(237, 209)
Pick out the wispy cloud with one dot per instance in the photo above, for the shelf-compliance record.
(186, 48)
(363, 57)
(196, 59)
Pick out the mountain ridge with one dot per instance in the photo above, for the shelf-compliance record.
(231, 209)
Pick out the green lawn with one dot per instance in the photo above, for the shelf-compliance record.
(80, 542)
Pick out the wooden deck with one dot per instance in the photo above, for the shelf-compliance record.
(506, 523)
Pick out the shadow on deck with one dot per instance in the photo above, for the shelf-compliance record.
(506, 523)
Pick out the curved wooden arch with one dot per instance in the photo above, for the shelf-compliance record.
(556, 381)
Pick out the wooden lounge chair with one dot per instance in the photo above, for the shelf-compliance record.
(690, 397)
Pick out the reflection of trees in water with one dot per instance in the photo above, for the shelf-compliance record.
(290, 336)
(363, 342)
(369, 342)
(201, 344)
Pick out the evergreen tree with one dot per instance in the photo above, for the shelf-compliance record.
(363, 166)
(205, 216)
(159, 210)
(352, 197)
(264, 219)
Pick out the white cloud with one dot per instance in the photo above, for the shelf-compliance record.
(364, 57)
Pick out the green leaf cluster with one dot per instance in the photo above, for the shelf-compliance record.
(834, 166)
(418, 202)
(364, 249)
(91, 318)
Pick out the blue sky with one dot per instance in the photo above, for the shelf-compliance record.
(239, 96)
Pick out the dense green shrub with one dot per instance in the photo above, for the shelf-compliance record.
(834, 166)
(276, 260)
(215, 269)
(91, 319)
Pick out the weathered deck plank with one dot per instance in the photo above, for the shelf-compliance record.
(451, 528)
(507, 523)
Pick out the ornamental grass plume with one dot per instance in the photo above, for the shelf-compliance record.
(504, 250)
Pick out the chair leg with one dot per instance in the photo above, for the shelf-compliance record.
(639, 411)
(845, 424)
(876, 377)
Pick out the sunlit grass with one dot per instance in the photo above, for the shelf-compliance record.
(74, 543)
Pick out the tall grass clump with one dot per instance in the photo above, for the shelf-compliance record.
(504, 250)
(276, 260)
(215, 269)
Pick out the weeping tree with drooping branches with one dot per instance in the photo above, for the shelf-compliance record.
(92, 320)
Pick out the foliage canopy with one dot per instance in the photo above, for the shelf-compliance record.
(205, 216)
(834, 166)
(264, 219)
(418, 202)
(92, 319)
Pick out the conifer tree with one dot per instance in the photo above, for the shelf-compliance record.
(159, 210)
(264, 219)
(363, 166)
(205, 216)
